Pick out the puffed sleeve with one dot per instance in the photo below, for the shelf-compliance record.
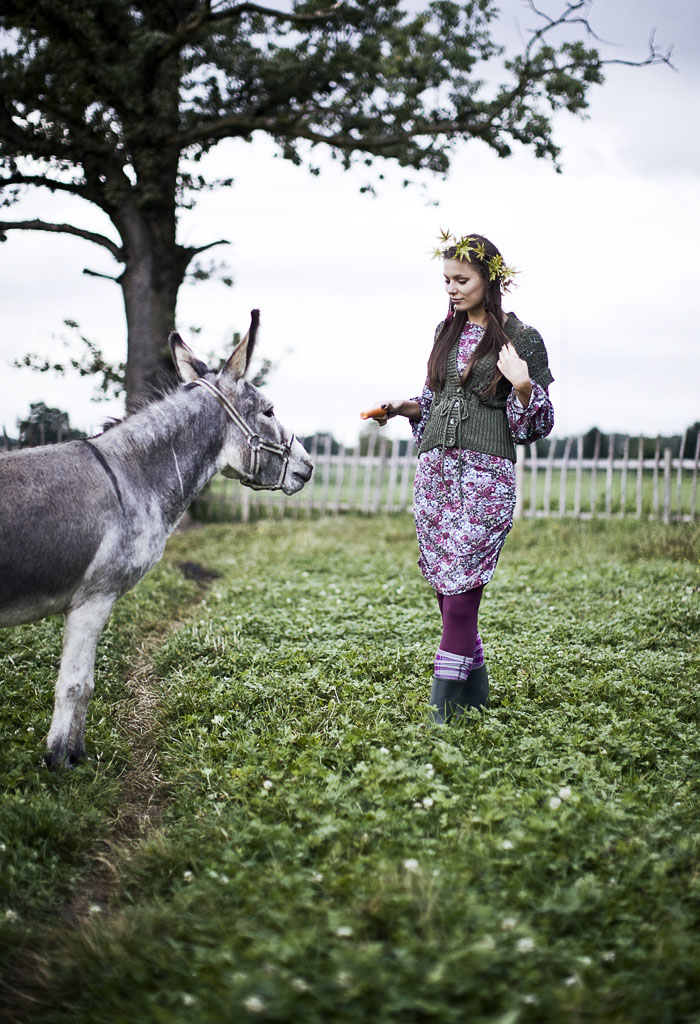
(528, 425)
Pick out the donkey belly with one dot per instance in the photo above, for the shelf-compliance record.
(52, 523)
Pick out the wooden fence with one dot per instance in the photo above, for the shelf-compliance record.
(623, 483)
(381, 480)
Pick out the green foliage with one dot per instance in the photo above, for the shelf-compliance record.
(109, 378)
(325, 856)
(45, 425)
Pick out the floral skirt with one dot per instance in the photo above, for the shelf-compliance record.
(463, 510)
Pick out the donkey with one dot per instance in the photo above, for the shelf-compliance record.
(82, 522)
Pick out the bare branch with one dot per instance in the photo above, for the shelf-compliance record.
(244, 125)
(40, 182)
(195, 251)
(66, 229)
(208, 17)
(106, 277)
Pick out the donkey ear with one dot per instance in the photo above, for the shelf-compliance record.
(186, 362)
(239, 360)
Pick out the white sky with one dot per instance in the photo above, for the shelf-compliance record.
(349, 298)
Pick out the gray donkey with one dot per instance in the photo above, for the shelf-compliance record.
(82, 522)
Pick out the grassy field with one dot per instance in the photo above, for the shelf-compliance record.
(268, 830)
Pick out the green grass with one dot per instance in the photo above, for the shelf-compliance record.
(322, 854)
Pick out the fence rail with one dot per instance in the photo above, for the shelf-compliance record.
(661, 487)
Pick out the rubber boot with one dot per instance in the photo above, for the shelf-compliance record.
(444, 699)
(475, 691)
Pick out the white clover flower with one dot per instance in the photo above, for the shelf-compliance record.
(506, 844)
(343, 932)
(218, 719)
(608, 956)
(565, 792)
(95, 908)
(187, 999)
(254, 1004)
(525, 945)
(508, 923)
(428, 801)
(573, 979)
(3, 847)
(299, 985)
(411, 864)
(383, 750)
(317, 877)
(188, 876)
(530, 1000)
(554, 802)
(11, 915)
(418, 806)
(267, 784)
(344, 979)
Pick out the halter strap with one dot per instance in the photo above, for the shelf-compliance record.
(254, 441)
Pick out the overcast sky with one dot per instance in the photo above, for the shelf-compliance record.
(349, 298)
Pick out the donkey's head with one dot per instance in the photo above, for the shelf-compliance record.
(256, 449)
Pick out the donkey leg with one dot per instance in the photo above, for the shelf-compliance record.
(75, 684)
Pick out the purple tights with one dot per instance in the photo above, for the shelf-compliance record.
(460, 647)
(459, 621)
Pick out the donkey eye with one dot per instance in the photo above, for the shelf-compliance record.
(269, 412)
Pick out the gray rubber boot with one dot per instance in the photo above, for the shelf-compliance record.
(475, 690)
(445, 699)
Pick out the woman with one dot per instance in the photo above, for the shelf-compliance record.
(486, 389)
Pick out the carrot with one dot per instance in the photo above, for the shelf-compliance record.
(370, 414)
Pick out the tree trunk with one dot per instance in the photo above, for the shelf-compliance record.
(155, 268)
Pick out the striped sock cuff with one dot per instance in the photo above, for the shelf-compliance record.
(452, 666)
(478, 652)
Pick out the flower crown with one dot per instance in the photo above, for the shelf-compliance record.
(468, 244)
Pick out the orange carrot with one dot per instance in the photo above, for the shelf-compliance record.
(370, 414)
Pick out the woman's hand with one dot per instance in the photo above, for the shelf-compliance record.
(398, 407)
(515, 370)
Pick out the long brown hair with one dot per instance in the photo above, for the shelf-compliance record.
(493, 338)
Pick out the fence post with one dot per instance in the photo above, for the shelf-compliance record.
(579, 476)
(532, 451)
(640, 476)
(548, 476)
(679, 484)
(562, 478)
(594, 474)
(623, 478)
(655, 496)
(609, 475)
(667, 486)
(340, 472)
(694, 483)
(393, 470)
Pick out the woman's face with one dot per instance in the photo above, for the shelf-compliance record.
(464, 285)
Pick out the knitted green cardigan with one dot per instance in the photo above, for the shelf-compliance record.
(460, 417)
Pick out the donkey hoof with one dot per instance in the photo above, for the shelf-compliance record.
(57, 760)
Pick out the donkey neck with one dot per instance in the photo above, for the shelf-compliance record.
(170, 449)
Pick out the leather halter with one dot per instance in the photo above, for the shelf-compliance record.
(254, 441)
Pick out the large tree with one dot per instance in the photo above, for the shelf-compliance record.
(115, 101)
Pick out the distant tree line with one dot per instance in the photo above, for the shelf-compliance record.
(46, 425)
(681, 445)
